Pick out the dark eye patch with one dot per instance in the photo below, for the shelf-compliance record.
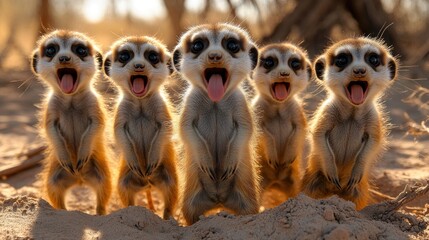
(124, 56)
(342, 60)
(232, 45)
(269, 63)
(373, 59)
(198, 45)
(51, 50)
(295, 64)
(80, 50)
(152, 56)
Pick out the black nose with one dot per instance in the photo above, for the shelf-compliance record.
(215, 57)
(359, 71)
(138, 66)
(64, 59)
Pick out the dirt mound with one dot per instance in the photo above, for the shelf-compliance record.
(298, 218)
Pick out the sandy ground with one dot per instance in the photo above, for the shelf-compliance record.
(25, 215)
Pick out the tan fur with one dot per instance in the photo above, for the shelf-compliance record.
(283, 122)
(143, 124)
(218, 137)
(347, 137)
(72, 123)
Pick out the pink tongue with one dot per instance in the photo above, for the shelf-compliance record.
(356, 94)
(280, 91)
(67, 83)
(138, 85)
(215, 88)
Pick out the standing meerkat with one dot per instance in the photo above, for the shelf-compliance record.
(283, 71)
(216, 126)
(73, 117)
(143, 124)
(348, 130)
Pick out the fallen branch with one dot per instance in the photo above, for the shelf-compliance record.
(34, 158)
(32, 152)
(381, 195)
(407, 195)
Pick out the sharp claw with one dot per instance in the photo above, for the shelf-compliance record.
(140, 172)
(224, 175)
(70, 168)
(148, 170)
(212, 174)
(79, 165)
(337, 184)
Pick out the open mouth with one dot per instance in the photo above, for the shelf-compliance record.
(139, 84)
(67, 79)
(280, 90)
(357, 91)
(216, 80)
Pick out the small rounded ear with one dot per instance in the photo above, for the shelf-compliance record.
(393, 68)
(99, 60)
(107, 63)
(253, 54)
(309, 69)
(319, 67)
(34, 60)
(170, 65)
(177, 56)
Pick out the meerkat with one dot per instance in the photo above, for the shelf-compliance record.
(283, 71)
(349, 128)
(142, 124)
(72, 116)
(216, 125)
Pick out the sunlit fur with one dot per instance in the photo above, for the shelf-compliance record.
(143, 124)
(283, 123)
(283, 52)
(139, 45)
(72, 124)
(238, 68)
(378, 79)
(46, 67)
(218, 138)
(347, 138)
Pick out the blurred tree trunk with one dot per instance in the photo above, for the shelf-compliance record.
(45, 17)
(312, 19)
(175, 11)
(372, 18)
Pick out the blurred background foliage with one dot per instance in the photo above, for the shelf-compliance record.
(313, 24)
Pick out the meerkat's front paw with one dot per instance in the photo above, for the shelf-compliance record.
(209, 171)
(151, 166)
(273, 160)
(83, 157)
(134, 164)
(332, 177)
(67, 165)
(354, 180)
(228, 173)
(65, 162)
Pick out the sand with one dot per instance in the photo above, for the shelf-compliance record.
(25, 215)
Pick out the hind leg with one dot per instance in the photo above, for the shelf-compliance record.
(97, 175)
(167, 183)
(195, 201)
(128, 185)
(290, 183)
(58, 181)
(244, 197)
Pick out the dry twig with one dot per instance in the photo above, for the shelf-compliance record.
(407, 195)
